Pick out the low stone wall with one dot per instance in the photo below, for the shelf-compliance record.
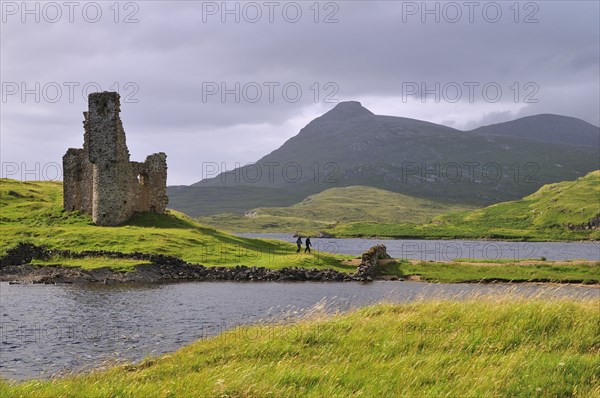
(149, 273)
(23, 253)
(594, 223)
(370, 263)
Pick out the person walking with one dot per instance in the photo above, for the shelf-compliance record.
(308, 245)
(299, 243)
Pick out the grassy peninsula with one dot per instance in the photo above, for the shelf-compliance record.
(32, 212)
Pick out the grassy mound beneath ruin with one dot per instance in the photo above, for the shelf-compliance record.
(32, 212)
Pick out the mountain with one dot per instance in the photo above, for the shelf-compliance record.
(547, 128)
(349, 145)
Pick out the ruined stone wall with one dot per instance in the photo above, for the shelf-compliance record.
(370, 262)
(100, 180)
(77, 181)
(149, 190)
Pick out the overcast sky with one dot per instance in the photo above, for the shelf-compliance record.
(172, 60)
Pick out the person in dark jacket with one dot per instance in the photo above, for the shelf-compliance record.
(308, 245)
(299, 243)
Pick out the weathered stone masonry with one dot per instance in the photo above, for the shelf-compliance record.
(100, 180)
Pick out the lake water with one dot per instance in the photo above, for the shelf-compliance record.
(50, 329)
(447, 250)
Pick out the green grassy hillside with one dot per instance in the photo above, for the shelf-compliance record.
(483, 347)
(32, 212)
(200, 200)
(332, 207)
(556, 211)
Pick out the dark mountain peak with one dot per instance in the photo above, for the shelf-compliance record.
(347, 110)
(349, 105)
(349, 145)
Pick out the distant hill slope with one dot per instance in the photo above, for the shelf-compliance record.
(206, 200)
(547, 128)
(331, 207)
(349, 146)
(565, 210)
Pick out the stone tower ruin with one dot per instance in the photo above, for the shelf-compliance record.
(100, 180)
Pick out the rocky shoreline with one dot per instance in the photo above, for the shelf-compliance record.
(16, 267)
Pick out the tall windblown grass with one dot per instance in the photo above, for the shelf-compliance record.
(484, 346)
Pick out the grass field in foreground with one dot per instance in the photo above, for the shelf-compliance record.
(484, 347)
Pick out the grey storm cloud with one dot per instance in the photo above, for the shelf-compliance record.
(166, 62)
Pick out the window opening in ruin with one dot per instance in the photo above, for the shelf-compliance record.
(142, 179)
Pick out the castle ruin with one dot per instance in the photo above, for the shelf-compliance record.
(100, 180)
